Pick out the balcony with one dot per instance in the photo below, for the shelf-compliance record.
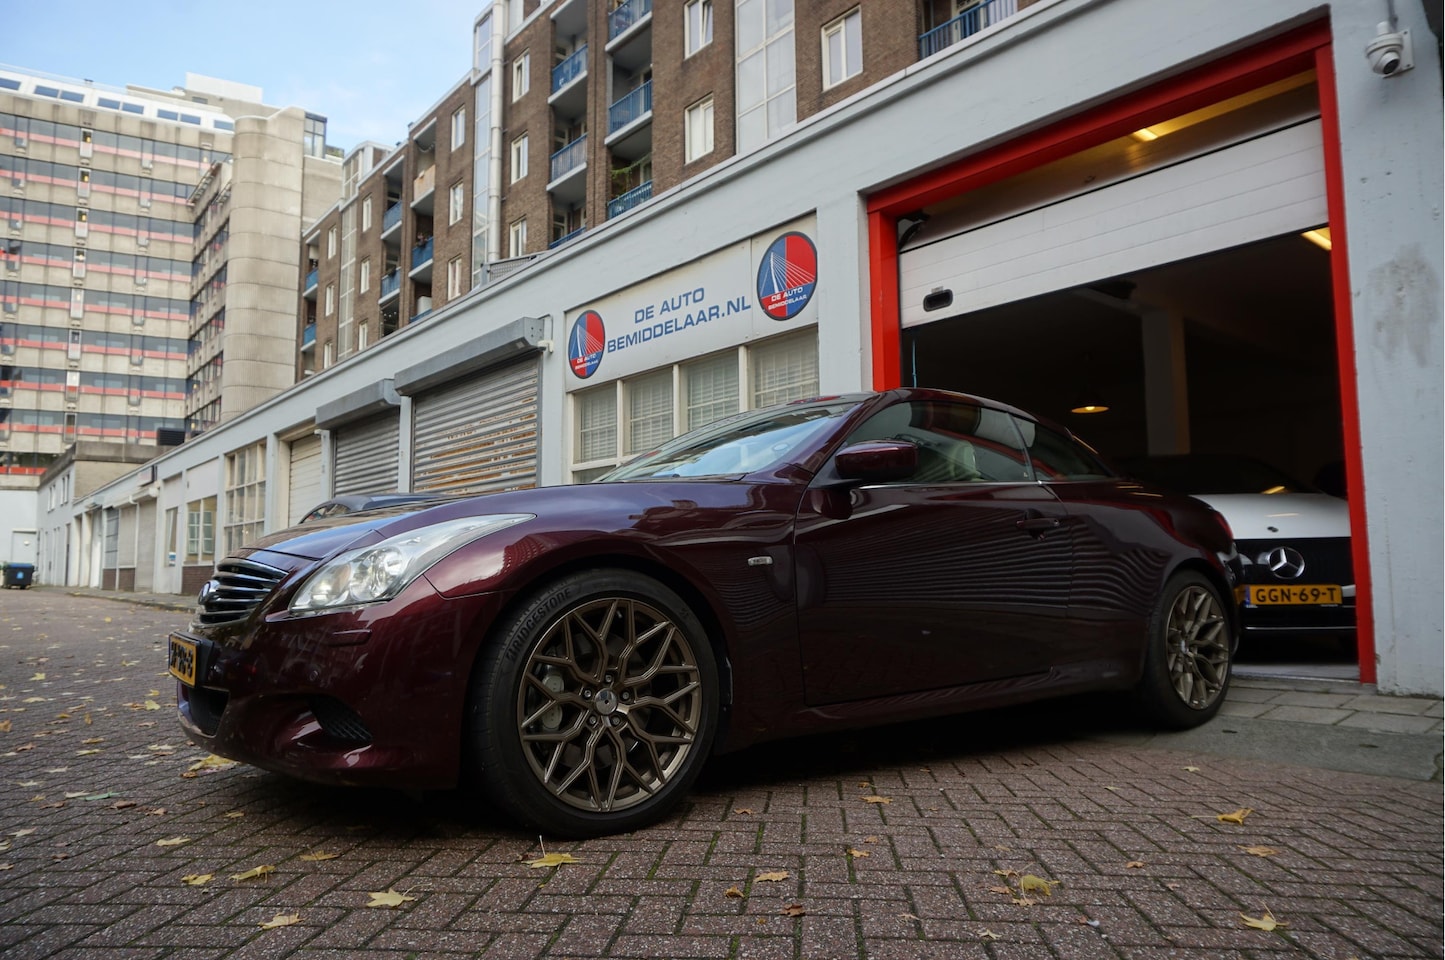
(390, 284)
(966, 24)
(391, 219)
(421, 257)
(630, 199)
(627, 16)
(422, 189)
(566, 238)
(567, 184)
(573, 68)
(308, 289)
(308, 338)
(629, 124)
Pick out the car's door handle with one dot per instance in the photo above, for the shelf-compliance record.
(1039, 524)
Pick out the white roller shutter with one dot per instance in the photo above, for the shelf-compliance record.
(479, 434)
(305, 477)
(1261, 188)
(366, 455)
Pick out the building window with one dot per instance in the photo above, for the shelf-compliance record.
(330, 299)
(313, 136)
(459, 128)
(201, 531)
(456, 276)
(519, 158)
(366, 214)
(658, 404)
(698, 134)
(245, 496)
(363, 334)
(363, 282)
(767, 100)
(698, 18)
(456, 203)
(517, 238)
(843, 49)
(328, 354)
(521, 75)
(331, 242)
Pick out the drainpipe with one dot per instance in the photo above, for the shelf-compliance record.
(494, 163)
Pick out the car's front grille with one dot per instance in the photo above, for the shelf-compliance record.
(1325, 560)
(237, 588)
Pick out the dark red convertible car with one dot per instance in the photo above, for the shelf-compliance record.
(577, 652)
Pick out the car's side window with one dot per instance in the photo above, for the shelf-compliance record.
(1055, 456)
(957, 442)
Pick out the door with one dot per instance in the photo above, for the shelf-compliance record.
(956, 575)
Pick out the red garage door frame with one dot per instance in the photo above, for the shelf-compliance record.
(1301, 49)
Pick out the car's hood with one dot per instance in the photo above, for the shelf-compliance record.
(1272, 516)
(327, 536)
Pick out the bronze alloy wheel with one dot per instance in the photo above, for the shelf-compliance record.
(1197, 643)
(610, 705)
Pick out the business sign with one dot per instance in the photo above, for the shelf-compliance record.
(743, 292)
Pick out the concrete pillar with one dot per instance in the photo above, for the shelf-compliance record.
(1166, 380)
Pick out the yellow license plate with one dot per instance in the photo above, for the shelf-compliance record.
(182, 660)
(1297, 594)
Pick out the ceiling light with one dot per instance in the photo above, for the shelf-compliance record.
(1144, 135)
(1320, 237)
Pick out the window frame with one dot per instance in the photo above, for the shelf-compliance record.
(840, 27)
(517, 237)
(519, 158)
(459, 127)
(521, 75)
(456, 202)
(690, 153)
(695, 41)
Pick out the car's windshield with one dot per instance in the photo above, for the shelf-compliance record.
(1214, 474)
(745, 443)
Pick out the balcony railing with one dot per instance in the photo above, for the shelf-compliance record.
(569, 69)
(422, 253)
(630, 199)
(391, 218)
(625, 16)
(424, 183)
(636, 104)
(390, 283)
(308, 336)
(310, 281)
(966, 24)
(569, 158)
(565, 237)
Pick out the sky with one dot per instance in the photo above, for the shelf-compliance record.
(369, 68)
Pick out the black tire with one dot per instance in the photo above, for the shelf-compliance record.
(581, 738)
(1191, 652)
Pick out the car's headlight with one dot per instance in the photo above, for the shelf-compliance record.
(379, 572)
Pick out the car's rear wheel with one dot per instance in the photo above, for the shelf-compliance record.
(1191, 650)
(594, 705)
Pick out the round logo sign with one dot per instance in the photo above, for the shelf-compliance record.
(787, 276)
(585, 345)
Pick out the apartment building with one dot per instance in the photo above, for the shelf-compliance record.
(576, 112)
(148, 257)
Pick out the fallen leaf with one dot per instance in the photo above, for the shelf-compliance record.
(1134, 865)
(29, 783)
(23, 832)
(173, 841)
(38, 676)
(4, 726)
(1028, 883)
(102, 796)
(254, 873)
(1235, 817)
(1260, 851)
(1008, 890)
(794, 910)
(1266, 922)
(122, 804)
(154, 693)
(156, 812)
(742, 811)
(393, 899)
(152, 705)
(281, 920)
(107, 619)
(870, 839)
(86, 753)
(212, 762)
(51, 806)
(90, 740)
(318, 856)
(988, 935)
(7, 866)
(234, 815)
(1192, 769)
(855, 854)
(733, 893)
(1112, 789)
(550, 860)
(877, 799)
(775, 876)
(197, 879)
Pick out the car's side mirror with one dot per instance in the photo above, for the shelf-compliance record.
(877, 461)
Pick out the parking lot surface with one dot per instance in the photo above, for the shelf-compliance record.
(1057, 830)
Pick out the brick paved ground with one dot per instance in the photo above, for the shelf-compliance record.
(92, 778)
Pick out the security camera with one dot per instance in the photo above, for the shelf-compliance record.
(1390, 52)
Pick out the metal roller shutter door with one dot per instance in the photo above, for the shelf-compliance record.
(305, 477)
(1261, 188)
(478, 435)
(366, 456)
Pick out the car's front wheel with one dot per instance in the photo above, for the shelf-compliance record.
(1191, 649)
(594, 705)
